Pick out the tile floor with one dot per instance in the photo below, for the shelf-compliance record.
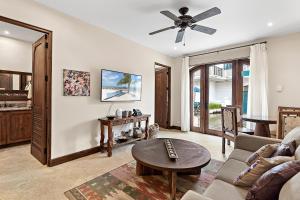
(23, 178)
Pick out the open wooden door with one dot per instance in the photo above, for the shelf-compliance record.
(39, 110)
(162, 97)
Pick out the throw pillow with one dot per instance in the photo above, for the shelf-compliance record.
(265, 151)
(252, 173)
(292, 135)
(285, 149)
(268, 186)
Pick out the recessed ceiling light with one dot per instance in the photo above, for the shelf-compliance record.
(270, 24)
(6, 32)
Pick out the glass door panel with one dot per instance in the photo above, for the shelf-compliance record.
(195, 91)
(219, 93)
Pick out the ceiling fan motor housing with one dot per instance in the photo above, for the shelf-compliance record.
(185, 20)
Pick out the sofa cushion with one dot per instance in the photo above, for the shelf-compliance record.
(240, 154)
(191, 195)
(220, 190)
(252, 173)
(271, 182)
(290, 189)
(292, 135)
(230, 170)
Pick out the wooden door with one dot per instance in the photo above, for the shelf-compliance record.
(20, 126)
(39, 110)
(161, 97)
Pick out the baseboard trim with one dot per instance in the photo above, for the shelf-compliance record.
(73, 156)
(175, 127)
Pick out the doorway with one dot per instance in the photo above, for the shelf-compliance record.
(162, 95)
(38, 89)
(213, 86)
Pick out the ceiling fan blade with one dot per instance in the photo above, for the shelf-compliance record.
(180, 35)
(170, 15)
(161, 30)
(207, 14)
(203, 29)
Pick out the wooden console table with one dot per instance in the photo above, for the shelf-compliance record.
(116, 122)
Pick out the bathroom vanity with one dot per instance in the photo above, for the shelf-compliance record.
(15, 111)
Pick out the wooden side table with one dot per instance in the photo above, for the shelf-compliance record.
(116, 122)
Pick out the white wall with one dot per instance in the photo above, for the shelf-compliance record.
(15, 55)
(284, 63)
(176, 92)
(79, 46)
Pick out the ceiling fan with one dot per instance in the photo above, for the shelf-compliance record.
(185, 21)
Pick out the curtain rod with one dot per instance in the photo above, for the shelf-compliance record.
(248, 45)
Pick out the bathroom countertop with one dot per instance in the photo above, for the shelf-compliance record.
(7, 109)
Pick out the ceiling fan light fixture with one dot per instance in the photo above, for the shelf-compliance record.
(270, 24)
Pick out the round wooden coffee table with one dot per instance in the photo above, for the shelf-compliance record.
(152, 159)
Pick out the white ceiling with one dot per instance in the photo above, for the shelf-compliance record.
(19, 33)
(240, 21)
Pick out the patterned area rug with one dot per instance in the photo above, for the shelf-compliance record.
(122, 183)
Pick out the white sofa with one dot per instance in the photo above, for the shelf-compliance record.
(222, 187)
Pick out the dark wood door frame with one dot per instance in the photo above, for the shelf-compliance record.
(202, 99)
(48, 77)
(237, 88)
(169, 92)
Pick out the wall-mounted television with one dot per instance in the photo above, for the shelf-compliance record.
(120, 86)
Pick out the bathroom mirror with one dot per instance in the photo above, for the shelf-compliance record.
(14, 80)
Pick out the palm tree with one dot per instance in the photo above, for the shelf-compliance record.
(125, 80)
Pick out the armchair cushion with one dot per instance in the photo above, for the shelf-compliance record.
(240, 154)
(252, 142)
(220, 190)
(231, 169)
(191, 195)
(293, 135)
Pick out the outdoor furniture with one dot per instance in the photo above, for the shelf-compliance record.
(288, 118)
(262, 124)
(152, 159)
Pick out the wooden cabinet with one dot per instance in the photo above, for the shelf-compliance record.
(3, 128)
(15, 126)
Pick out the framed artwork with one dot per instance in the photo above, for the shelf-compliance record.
(76, 83)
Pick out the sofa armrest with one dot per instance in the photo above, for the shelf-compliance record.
(252, 142)
(191, 195)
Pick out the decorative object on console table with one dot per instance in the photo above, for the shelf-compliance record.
(119, 113)
(153, 131)
(116, 122)
(76, 83)
(137, 112)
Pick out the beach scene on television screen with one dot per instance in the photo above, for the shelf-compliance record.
(118, 86)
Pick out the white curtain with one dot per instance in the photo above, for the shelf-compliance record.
(258, 81)
(185, 95)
